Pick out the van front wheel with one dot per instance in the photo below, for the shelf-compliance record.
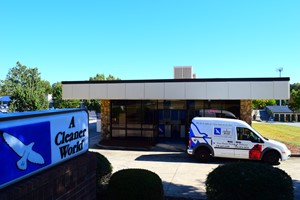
(271, 157)
(203, 155)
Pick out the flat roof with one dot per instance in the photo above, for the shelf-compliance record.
(266, 79)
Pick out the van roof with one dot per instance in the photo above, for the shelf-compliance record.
(217, 119)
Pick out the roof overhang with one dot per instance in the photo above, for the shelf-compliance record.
(179, 89)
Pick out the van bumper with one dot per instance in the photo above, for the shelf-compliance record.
(190, 151)
(286, 154)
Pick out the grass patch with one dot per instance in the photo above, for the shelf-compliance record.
(283, 133)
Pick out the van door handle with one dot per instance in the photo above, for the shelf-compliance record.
(238, 142)
(230, 141)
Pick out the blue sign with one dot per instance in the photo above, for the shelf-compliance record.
(33, 143)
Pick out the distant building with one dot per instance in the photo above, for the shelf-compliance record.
(4, 100)
(4, 103)
(282, 114)
(50, 100)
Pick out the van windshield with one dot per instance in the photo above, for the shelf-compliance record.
(256, 132)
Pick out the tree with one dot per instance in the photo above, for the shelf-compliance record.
(260, 104)
(26, 89)
(47, 86)
(295, 100)
(95, 104)
(98, 77)
(58, 102)
(101, 77)
(295, 86)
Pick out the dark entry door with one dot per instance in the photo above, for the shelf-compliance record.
(171, 123)
(175, 130)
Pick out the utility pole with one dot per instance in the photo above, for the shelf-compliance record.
(279, 70)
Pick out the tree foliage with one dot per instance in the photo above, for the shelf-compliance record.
(101, 77)
(58, 102)
(295, 86)
(26, 89)
(47, 86)
(260, 104)
(295, 100)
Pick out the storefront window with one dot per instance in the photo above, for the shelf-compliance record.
(218, 108)
(169, 118)
(134, 118)
(149, 111)
(171, 104)
(118, 117)
(134, 113)
(232, 106)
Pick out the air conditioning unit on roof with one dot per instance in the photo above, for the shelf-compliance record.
(183, 72)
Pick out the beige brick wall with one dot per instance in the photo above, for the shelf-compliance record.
(105, 119)
(246, 111)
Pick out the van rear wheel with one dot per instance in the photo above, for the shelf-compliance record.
(203, 155)
(271, 157)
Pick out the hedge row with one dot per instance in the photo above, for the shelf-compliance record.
(248, 180)
(131, 184)
(235, 181)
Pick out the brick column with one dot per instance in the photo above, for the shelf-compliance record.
(105, 119)
(246, 111)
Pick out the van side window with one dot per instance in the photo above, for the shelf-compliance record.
(247, 134)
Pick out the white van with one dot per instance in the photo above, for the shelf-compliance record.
(231, 138)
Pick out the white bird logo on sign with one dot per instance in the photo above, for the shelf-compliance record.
(24, 151)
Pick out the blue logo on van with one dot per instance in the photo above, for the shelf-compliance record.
(217, 131)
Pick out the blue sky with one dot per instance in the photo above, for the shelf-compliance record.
(138, 39)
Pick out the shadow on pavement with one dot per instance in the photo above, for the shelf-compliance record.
(167, 157)
(184, 192)
(181, 157)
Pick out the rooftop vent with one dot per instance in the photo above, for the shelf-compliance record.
(183, 72)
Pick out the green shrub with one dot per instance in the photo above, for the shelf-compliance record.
(248, 180)
(103, 174)
(135, 184)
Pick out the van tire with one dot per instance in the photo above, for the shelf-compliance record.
(203, 155)
(271, 157)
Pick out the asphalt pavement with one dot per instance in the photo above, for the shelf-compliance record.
(182, 176)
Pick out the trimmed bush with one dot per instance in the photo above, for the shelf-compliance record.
(135, 184)
(103, 174)
(248, 180)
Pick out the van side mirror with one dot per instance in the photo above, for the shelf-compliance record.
(259, 140)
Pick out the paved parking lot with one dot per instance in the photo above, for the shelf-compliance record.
(182, 176)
